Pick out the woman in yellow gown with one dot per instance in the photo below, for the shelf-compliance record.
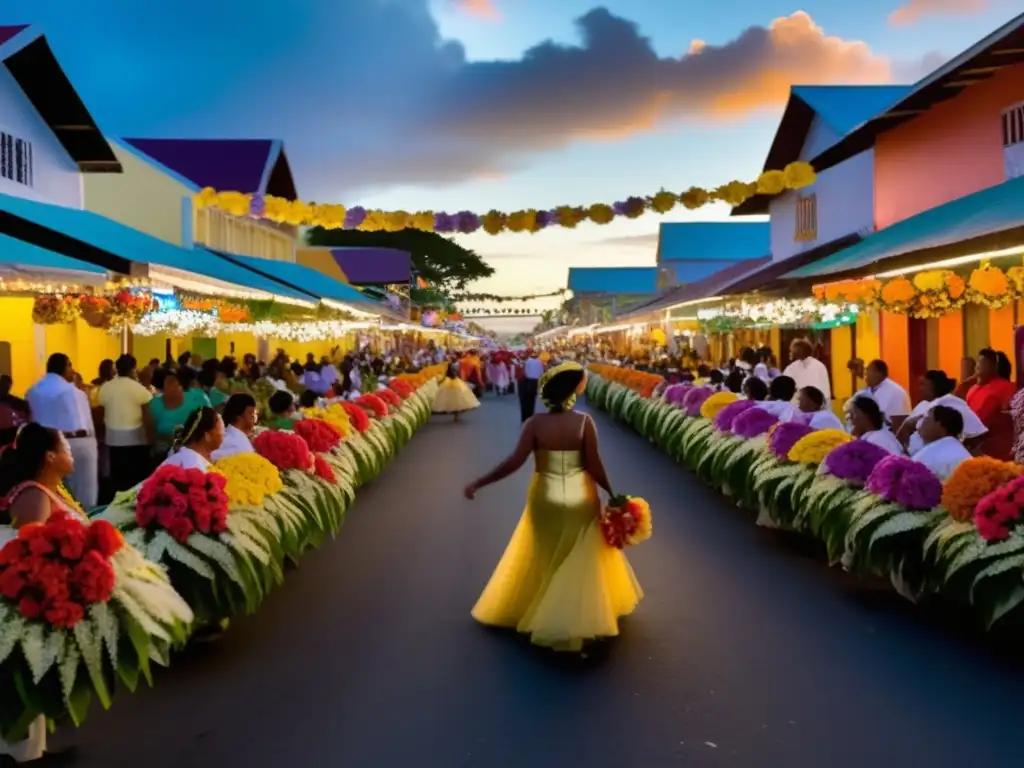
(454, 396)
(558, 580)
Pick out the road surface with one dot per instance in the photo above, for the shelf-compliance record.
(746, 652)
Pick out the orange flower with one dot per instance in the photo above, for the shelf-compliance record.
(898, 291)
(955, 285)
(971, 481)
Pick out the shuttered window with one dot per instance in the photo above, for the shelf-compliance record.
(1013, 141)
(806, 218)
(16, 159)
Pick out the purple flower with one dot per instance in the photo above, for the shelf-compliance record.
(676, 392)
(854, 461)
(619, 208)
(257, 206)
(354, 217)
(634, 206)
(753, 422)
(724, 418)
(468, 222)
(694, 399)
(907, 482)
(546, 218)
(785, 437)
(444, 222)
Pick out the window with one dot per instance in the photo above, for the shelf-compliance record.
(1013, 141)
(16, 159)
(806, 218)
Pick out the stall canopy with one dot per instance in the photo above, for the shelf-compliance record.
(21, 260)
(105, 243)
(985, 221)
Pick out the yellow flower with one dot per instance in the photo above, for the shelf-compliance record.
(799, 175)
(250, 478)
(568, 216)
(933, 280)
(424, 221)
(374, 222)
(694, 198)
(717, 402)
(493, 222)
(334, 415)
(813, 448)
(522, 221)
(205, 198)
(771, 183)
(600, 213)
(234, 203)
(735, 192)
(663, 202)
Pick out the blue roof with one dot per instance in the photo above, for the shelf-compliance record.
(722, 240)
(987, 212)
(844, 107)
(14, 252)
(692, 271)
(138, 247)
(303, 278)
(623, 281)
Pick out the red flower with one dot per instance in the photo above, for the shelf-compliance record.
(359, 417)
(322, 469)
(30, 608)
(94, 577)
(373, 403)
(389, 397)
(105, 538)
(181, 529)
(182, 502)
(285, 450)
(64, 614)
(318, 434)
(401, 387)
(998, 512)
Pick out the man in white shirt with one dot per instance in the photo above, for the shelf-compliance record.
(806, 370)
(942, 452)
(890, 396)
(58, 404)
(533, 369)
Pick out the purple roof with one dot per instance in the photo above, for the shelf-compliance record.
(6, 33)
(228, 165)
(374, 266)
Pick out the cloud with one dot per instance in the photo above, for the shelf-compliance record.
(913, 11)
(483, 9)
(912, 70)
(630, 241)
(369, 96)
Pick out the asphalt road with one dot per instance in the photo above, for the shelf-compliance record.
(747, 652)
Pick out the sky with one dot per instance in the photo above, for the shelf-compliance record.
(509, 104)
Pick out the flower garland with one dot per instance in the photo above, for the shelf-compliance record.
(333, 216)
(931, 293)
(813, 448)
(124, 308)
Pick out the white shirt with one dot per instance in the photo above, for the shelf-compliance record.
(235, 442)
(55, 404)
(84, 410)
(892, 399)
(973, 426)
(883, 438)
(943, 456)
(186, 458)
(825, 420)
(533, 368)
(762, 372)
(810, 372)
(785, 411)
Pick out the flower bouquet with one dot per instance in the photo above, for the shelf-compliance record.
(776, 476)
(221, 563)
(626, 521)
(78, 609)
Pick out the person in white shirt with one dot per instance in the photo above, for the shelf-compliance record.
(869, 424)
(890, 396)
(940, 432)
(58, 404)
(814, 410)
(781, 392)
(240, 419)
(197, 439)
(533, 369)
(806, 370)
(937, 389)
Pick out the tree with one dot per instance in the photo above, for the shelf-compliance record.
(442, 262)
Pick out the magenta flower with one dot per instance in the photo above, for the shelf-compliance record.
(444, 222)
(354, 217)
(907, 482)
(724, 418)
(753, 422)
(785, 436)
(676, 392)
(996, 513)
(694, 399)
(468, 222)
(854, 461)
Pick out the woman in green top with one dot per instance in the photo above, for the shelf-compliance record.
(282, 410)
(208, 380)
(174, 403)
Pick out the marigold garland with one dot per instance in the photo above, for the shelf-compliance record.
(813, 448)
(298, 213)
(973, 480)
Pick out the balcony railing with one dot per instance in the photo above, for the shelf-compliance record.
(221, 231)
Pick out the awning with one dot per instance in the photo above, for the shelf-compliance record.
(105, 243)
(19, 256)
(988, 212)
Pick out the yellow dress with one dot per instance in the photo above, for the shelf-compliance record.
(558, 580)
(454, 396)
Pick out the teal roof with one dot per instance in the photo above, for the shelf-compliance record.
(714, 240)
(987, 212)
(303, 278)
(622, 281)
(844, 107)
(138, 247)
(18, 253)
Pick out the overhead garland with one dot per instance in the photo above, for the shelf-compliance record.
(781, 313)
(335, 216)
(461, 297)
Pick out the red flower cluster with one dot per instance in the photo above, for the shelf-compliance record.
(322, 469)
(57, 569)
(319, 435)
(360, 419)
(285, 450)
(617, 527)
(183, 501)
(401, 387)
(389, 397)
(373, 403)
(998, 512)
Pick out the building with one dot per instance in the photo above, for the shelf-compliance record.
(598, 293)
(692, 251)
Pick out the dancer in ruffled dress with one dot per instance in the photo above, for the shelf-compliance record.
(454, 396)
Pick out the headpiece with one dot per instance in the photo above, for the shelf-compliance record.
(550, 374)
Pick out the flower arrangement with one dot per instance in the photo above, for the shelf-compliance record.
(320, 435)
(931, 293)
(813, 448)
(54, 310)
(389, 397)
(639, 381)
(360, 419)
(626, 522)
(712, 405)
(323, 470)
(401, 387)
(990, 287)
(373, 404)
(1000, 510)
(333, 414)
(753, 422)
(784, 436)
(675, 393)
(726, 416)
(182, 502)
(250, 478)
(694, 399)
(907, 482)
(285, 450)
(95, 311)
(971, 481)
(853, 461)
(861, 292)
